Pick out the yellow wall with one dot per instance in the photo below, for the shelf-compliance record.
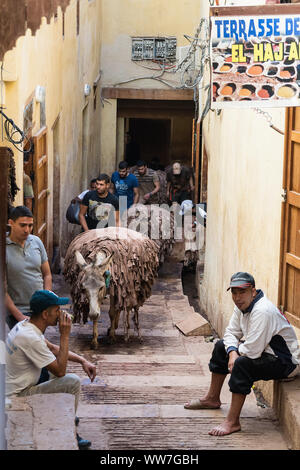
(245, 169)
(244, 206)
(64, 64)
(122, 20)
(61, 64)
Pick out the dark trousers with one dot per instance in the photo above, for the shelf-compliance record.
(180, 196)
(11, 321)
(246, 371)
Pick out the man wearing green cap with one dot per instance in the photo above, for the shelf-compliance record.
(269, 351)
(28, 352)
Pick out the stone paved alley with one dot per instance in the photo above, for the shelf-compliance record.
(136, 402)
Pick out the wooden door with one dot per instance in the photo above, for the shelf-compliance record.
(40, 185)
(289, 291)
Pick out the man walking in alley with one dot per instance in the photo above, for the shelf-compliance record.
(28, 352)
(149, 185)
(27, 266)
(99, 208)
(180, 183)
(269, 351)
(125, 184)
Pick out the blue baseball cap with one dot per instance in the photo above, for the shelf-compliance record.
(42, 299)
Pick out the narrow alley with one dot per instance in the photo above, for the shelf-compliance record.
(136, 401)
(176, 124)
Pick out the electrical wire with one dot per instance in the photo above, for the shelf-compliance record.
(14, 135)
(268, 118)
(191, 72)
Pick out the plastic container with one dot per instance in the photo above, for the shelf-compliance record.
(228, 89)
(286, 91)
(247, 90)
(271, 71)
(225, 98)
(241, 69)
(255, 70)
(225, 68)
(286, 74)
(265, 92)
(215, 89)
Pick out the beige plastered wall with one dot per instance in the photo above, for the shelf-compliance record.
(137, 18)
(245, 170)
(62, 64)
(141, 18)
(245, 174)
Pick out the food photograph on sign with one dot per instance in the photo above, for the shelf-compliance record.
(255, 61)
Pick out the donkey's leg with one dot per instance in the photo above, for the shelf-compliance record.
(95, 334)
(126, 324)
(136, 323)
(112, 315)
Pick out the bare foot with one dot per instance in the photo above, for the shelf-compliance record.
(224, 429)
(202, 404)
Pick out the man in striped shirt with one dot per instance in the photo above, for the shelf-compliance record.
(149, 185)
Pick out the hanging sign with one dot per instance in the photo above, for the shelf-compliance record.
(255, 60)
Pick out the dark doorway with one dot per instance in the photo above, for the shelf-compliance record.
(161, 129)
(152, 139)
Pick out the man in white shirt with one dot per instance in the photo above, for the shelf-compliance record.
(269, 351)
(28, 352)
(92, 188)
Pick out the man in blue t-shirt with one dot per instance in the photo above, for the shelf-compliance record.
(125, 184)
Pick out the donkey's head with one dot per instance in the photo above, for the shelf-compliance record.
(93, 280)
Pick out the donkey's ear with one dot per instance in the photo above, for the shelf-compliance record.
(103, 262)
(80, 259)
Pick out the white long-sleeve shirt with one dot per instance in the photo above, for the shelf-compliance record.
(264, 329)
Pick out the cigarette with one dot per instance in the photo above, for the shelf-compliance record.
(69, 315)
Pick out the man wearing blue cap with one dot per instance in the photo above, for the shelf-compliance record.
(269, 351)
(28, 352)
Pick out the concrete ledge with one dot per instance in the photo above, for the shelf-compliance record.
(41, 422)
(287, 407)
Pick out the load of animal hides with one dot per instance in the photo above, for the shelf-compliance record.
(155, 222)
(133, 267)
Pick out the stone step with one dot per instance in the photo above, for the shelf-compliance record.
(41, 422)
(158, 411)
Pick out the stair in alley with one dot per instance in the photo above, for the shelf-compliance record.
(136, 401)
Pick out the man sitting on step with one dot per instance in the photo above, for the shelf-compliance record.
(28, 352)
(269, 351)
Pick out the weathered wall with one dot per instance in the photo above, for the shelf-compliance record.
(245, 168)
(134, 18)
(62, 60)
(17, 15)
(245, 164)
(142, 18)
